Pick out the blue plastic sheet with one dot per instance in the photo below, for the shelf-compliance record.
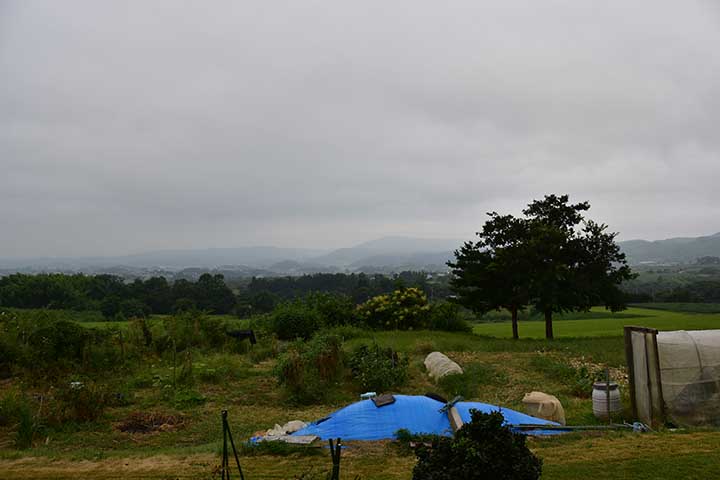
(418, 414)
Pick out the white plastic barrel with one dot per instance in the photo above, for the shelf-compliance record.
(600, 399)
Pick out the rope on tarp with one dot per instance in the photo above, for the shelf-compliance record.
(636, 427)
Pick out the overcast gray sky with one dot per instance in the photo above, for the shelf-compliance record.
(138, 125)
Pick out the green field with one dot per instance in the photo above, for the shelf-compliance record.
(608, 325)
(500, 371)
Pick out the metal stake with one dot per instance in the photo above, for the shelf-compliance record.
(607, 393)
(225, 464)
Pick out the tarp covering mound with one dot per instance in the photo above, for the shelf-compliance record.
(418, 414)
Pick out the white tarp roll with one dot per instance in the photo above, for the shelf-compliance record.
(439, 365)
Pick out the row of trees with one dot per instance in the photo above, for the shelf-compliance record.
(551, 258)
(403, 309)
(111, 295)
(699, 291)
(358, 286)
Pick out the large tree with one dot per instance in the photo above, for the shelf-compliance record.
(552, 259)
(491, 274)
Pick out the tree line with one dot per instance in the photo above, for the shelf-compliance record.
(696, 291)
(113, 296)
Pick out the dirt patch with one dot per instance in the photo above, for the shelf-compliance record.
(147, 422)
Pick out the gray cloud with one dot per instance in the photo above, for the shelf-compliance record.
(127, 126)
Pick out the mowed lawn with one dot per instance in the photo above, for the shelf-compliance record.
(605, 325)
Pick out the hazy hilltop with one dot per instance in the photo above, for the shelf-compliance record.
(387, 254)
(253, 256)
(389, 251)
(672, 250)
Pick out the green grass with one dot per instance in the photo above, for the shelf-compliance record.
(230, 320)
(610, 325)
(499, 371)
(529, 315)
(682, 307)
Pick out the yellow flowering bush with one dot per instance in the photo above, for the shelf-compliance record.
(403, 309)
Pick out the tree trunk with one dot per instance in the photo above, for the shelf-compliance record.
(548, 325)
(514, 313)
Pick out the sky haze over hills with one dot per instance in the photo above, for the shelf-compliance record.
(128, 127)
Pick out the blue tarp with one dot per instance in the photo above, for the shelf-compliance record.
(418, 414)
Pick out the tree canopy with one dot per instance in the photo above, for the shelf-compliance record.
(552, 259)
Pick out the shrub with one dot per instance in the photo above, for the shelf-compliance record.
(80, 401)
(296, 319)
(267, 347)
(403, 309)
(333, 309)
(446, 316)
(307, 371)
(212, 332)
(302, 318)
(182, 331)
(190, 329)
(184, 375)
(16, 413)
(49, 343)
(27, 427)
(139, 334)
(60, 340)
(481, 449)
(8, 356)
(584, 379)
(378, 369)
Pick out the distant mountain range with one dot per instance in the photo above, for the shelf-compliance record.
(672, 250)
(385, 255)
(382, 255)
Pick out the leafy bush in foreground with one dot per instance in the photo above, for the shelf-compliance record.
(481, 449)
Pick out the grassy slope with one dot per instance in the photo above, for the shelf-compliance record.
(255, 403)
(608, 326)
(683, 307)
